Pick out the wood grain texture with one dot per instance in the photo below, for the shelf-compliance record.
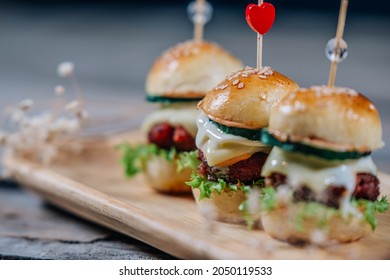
(92, 186)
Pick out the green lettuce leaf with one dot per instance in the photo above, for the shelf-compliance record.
(134, 158)
(268, 198)
(313, 210)
(244, 208)
(323, 213)
(249, 216)
(188, 160)
(207, 187)
(370, 208)
(267, 202)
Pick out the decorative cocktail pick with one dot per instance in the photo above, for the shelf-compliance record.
(200, 13)
(260, 18)
(337, 49)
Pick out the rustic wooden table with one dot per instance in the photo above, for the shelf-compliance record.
(32, 229)
(113, 50)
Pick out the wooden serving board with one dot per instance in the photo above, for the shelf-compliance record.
(91, 185)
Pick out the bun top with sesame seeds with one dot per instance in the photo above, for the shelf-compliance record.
(190, 70)
(244, 99)
(335, 118)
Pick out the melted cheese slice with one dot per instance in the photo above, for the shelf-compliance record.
(316, 173)
(174, 114)
(219, 147)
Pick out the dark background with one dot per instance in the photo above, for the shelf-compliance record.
(376, 7)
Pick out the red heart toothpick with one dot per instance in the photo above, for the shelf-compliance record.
(260, 17)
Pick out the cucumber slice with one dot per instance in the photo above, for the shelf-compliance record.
(168, 100)
(289, 146)
(250, 134)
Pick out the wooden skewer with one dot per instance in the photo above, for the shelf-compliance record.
(339, 36)
(259, 47)
(198, 27)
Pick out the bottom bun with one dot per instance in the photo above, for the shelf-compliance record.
(162, 175)
(222, 207)
(281, 225)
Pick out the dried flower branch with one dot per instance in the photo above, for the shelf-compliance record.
(26, 105)
(39, 137)
(65, 69)
(3, 138)
(59, 90)
(42, 136)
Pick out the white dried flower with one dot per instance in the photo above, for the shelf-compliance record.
(17, 115)
(65, 69)
(26, 105)
(59, 90)
(43, 137)
(83, 115)
(3, 138)
(65, 125)
(73, 106)
(39, 137)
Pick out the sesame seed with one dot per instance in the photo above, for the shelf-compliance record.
(267, 71)
(324, 90)
(223, 86)
(236, 82)
(240, 85)
(262, 77)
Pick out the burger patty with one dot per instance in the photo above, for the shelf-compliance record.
(367, 187)
(245, 171)
(166, 136)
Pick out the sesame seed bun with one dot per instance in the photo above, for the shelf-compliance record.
(244, 99)
(281, 224)
(335, 118)
(190, 70)
(162, 175)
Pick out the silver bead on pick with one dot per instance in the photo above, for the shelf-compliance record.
(336, 52)
(200, 13)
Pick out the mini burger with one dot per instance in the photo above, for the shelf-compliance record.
(230, 152)
(176, 82)
(321, 183)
